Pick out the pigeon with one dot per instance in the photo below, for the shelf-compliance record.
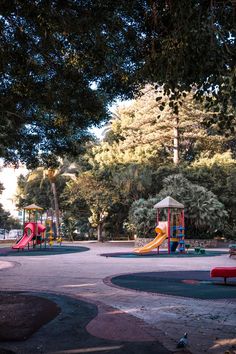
(183, 342)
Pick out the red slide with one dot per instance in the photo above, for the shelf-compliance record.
(29, 233)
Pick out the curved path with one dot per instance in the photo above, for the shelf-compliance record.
(210, 324)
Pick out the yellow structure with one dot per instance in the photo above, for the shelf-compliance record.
(162, 234)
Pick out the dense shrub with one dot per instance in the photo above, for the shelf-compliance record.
(205, 215)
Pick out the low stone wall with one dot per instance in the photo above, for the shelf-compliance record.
(139, 242)
(8, 241)
(203, 243)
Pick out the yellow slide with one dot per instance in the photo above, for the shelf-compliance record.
(158, 240)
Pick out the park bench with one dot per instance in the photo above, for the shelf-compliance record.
(223, 272)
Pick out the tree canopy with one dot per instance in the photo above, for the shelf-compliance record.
(52, 54)
(140, 132)
(63, 61)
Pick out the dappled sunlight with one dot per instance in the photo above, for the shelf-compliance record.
(39, 258)
(224, 343)
(89, 350)
(159, 309)
(115, 312)
(78, 285)
(131, 310)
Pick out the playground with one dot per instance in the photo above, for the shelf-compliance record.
(118, 144)
(113, 297)
(96, 315)
(36, 232)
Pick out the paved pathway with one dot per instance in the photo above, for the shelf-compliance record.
(211, 324)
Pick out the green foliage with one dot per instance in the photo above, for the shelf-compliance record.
(75, 211)
(204, 214)
(7, 221)
(132, 181)
(37, 190)
(97, 193)
(217, 173)
(195, 32)
(53, 53)
(141, 133)
(113, 225)
(203, 211)
(68, 229)
(143, 216)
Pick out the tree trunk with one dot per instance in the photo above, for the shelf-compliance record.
(99, 232)
(176, 140)
(56, 205)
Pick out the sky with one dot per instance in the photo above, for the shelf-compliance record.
(98, 132)
(8, 177)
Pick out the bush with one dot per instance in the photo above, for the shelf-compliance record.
(204, 213)
(143, 216)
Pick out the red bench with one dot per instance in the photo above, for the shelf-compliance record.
(223, 272)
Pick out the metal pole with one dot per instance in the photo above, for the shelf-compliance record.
(36, 227)
(168, 225)
(23, 226)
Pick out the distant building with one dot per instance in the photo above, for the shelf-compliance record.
(8, 177)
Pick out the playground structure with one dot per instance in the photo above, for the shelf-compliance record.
(171, 229)
(34, 232)
(51, 232)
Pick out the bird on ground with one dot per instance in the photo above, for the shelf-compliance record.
(183, 342)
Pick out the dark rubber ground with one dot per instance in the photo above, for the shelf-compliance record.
(66, 333)
(193, 284)
(163, 254)
(48, 251)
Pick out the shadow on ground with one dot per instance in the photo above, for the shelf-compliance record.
(66, 333)
(193, 284)
(41, 251)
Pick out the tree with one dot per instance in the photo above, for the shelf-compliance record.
(132, 181)
(52, 53)
(98, 194)
(64, 169)
(75, 215)
(142, 216)
(63, 61)
(189, 32)
(204, 213)
(142, 132)
(217, 173)
(33, 189)
(6, 220)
